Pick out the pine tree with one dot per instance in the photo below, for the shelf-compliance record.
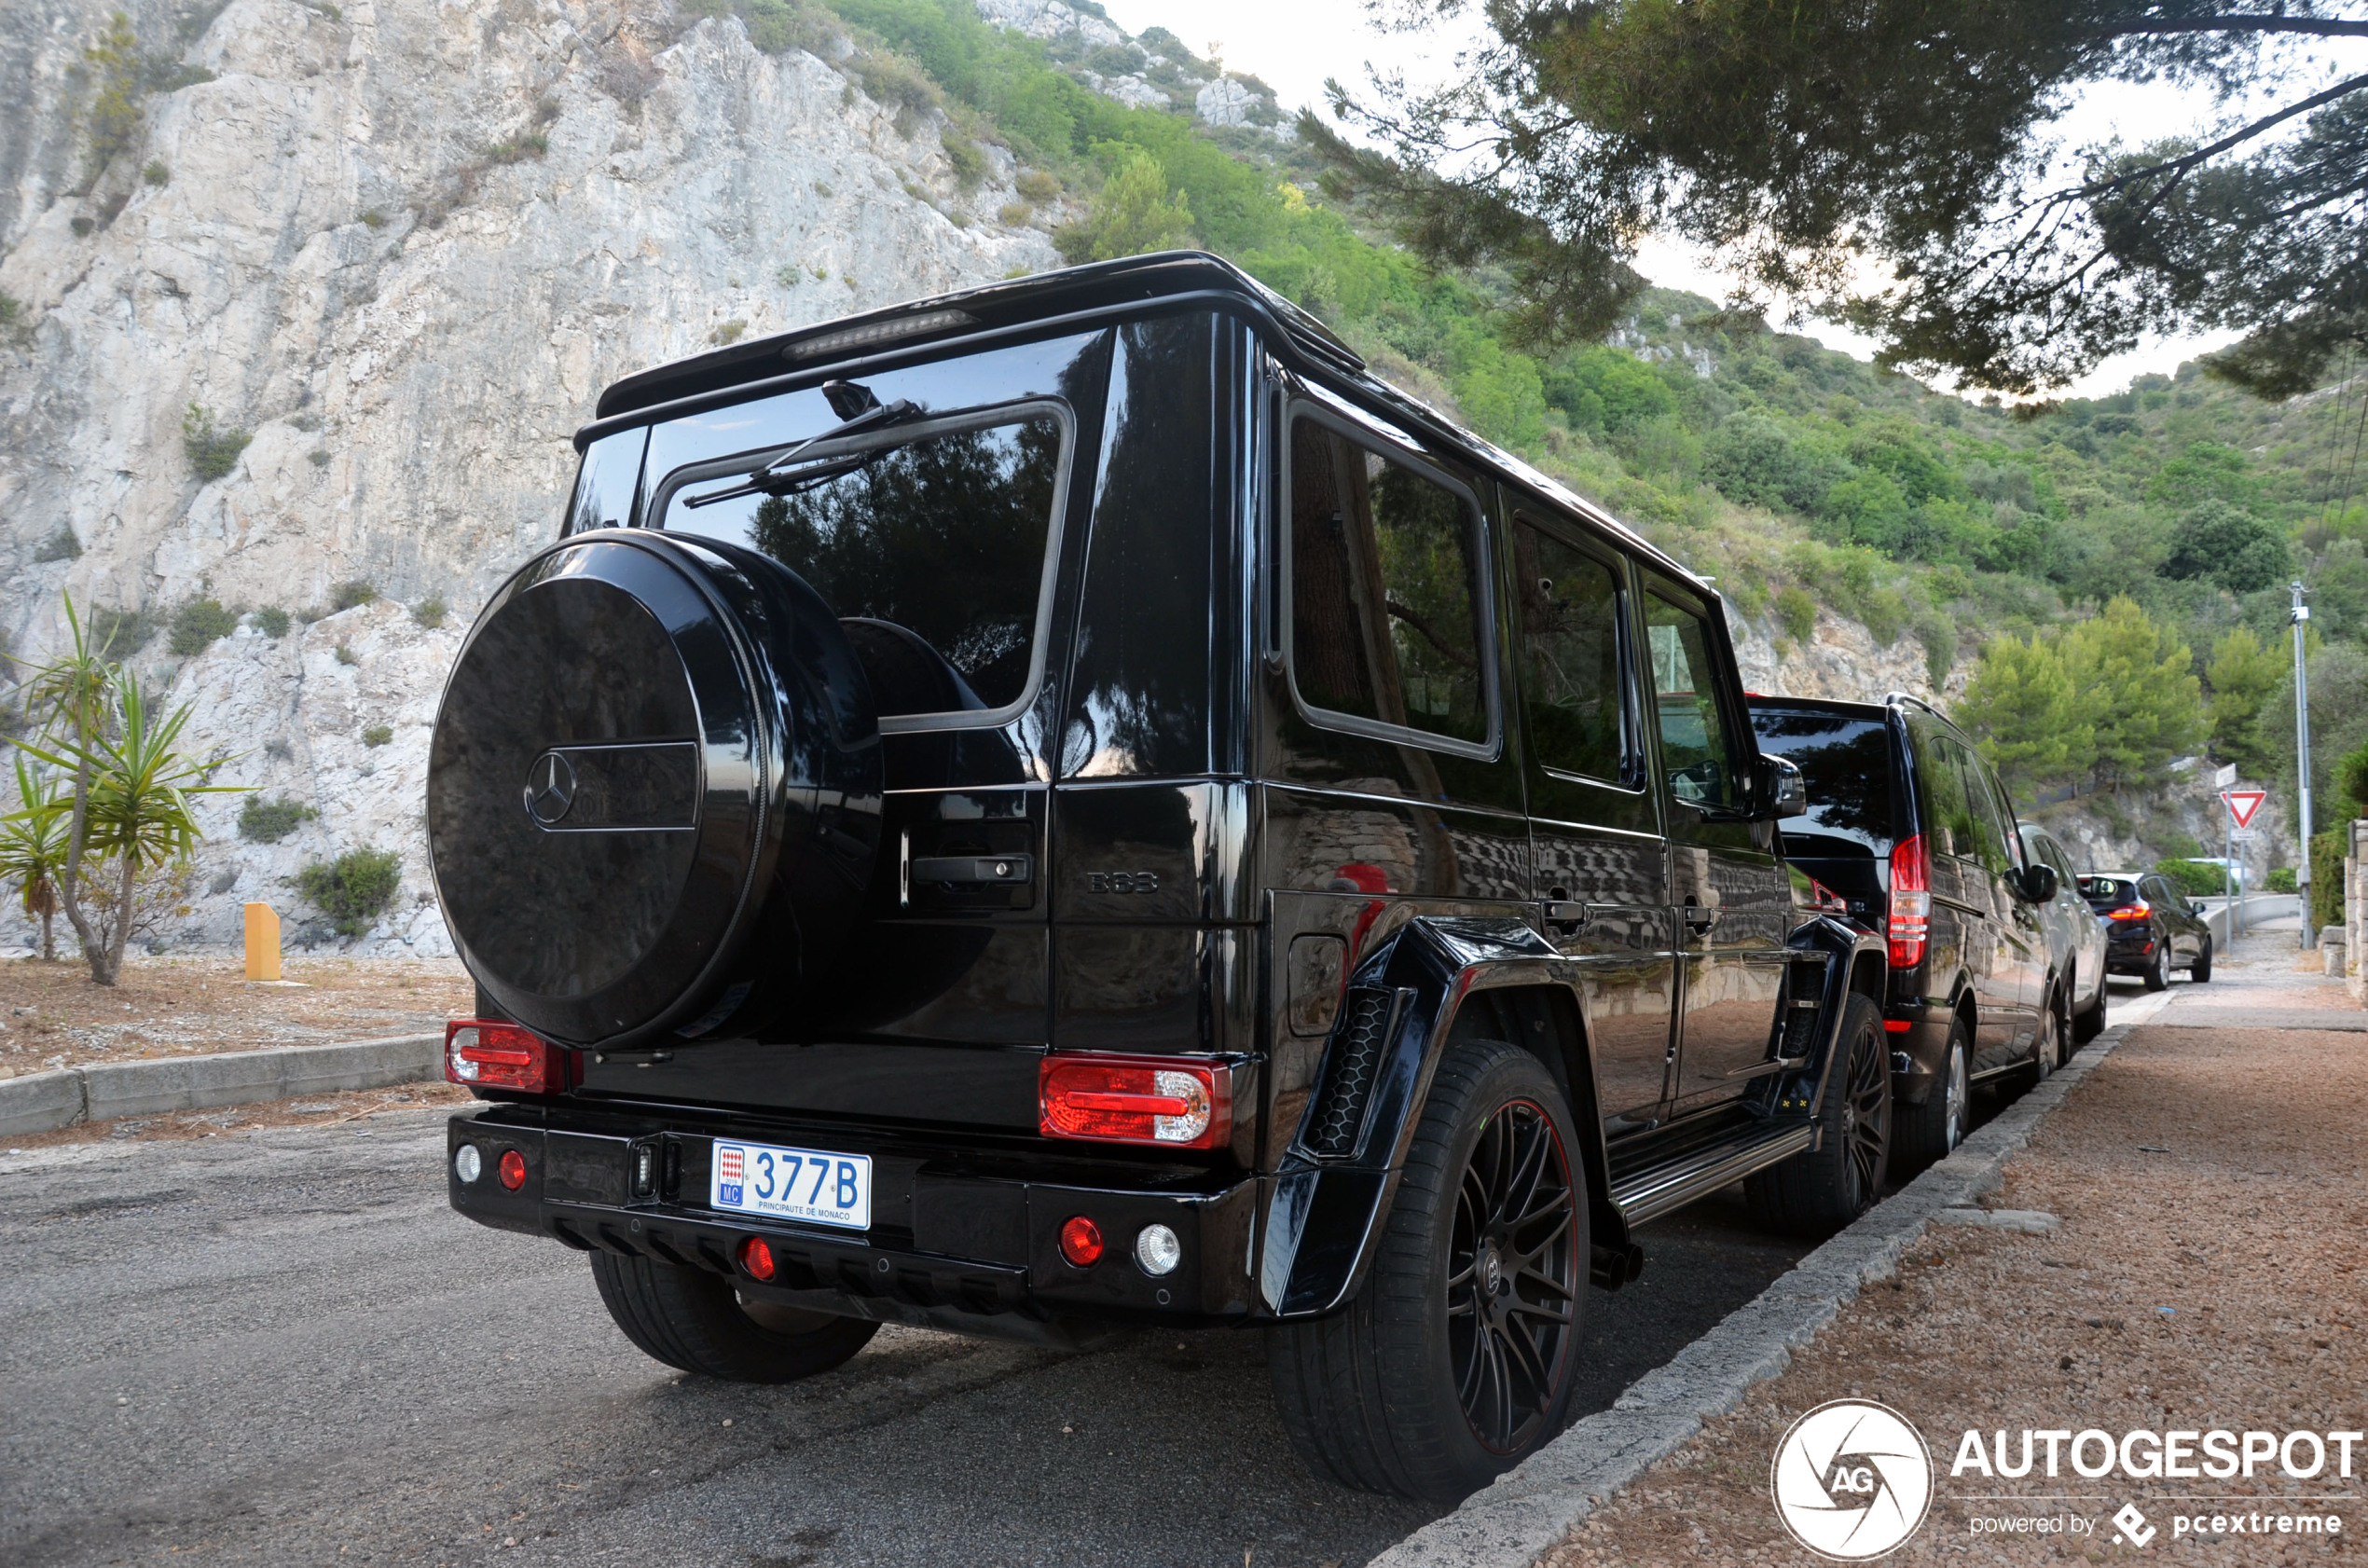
(2020, 706)
(2244, 676)
(1135, 213)
(2137, 691)
(116, 113)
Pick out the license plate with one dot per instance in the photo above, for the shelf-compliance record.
(807, 1184)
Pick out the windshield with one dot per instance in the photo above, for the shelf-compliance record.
(1846, 763)
(930, 546)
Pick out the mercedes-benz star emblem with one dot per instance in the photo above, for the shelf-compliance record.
(550, 789)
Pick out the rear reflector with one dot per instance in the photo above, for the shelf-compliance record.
(1081, 1242)
(1898, 1025)
(1174, 1102)
(513, 1169)
(492, 1053)
(1912, 903)
(756, 1258)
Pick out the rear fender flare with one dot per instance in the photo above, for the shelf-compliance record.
(1326, 1210)
(1833, 960)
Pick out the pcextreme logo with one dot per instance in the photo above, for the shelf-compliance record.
(1852, 1480)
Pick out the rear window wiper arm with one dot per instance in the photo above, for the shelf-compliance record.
(782, 476)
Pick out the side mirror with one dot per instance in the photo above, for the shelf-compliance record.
(1787, 791)
(2039, 883)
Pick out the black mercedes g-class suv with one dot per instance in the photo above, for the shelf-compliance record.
(1074, 805)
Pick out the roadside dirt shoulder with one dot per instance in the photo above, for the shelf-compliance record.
(2209, 1273)
(52, 1016)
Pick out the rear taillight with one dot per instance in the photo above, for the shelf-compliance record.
(1912, 903)
(1174, 1102)
(489, 1054)
(2139, 910)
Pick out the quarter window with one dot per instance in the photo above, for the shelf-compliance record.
(1697, 744)
(1570, 656)
(1385, 622)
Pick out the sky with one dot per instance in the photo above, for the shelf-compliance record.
(1293, 47)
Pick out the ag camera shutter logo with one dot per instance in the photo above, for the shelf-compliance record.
(1852, 1480)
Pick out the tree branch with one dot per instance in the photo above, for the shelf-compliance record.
(2313, 26)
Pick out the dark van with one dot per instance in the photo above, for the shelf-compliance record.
(1911, 832)
(1075, 805)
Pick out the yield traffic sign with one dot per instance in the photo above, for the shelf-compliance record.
(2243, 804)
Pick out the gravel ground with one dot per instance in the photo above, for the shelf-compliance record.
(2208, 1274)
(52, 1016)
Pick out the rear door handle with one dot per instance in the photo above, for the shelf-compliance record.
(1700, 917)
(1006, 869)
(1563, 914)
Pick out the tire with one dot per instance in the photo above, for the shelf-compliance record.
(2158, 975)
(1926, 1133)
(697, 1321)
(2047, 1042)
(2089, 1021)
(2199, 972)
(1821, 1190)
(1427, 1385)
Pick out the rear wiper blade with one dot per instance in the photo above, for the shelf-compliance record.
(783, 476)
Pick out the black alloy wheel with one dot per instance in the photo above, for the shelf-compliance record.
(2157, 976)
(1513, 1277)
(1867, 1118)
(1820, 1190)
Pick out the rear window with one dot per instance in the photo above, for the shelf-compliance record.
(1846, 765)
(2108, 892)
(930, 543)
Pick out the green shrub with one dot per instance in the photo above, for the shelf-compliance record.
(346, 596)
(59, 546)
(318, 456)
(348, 656)
(728, 333)
(374, 219)
(2192, 877)
(121, 633)
(2327, 877)
(352, 889)
(272, 623)
(156, 174)
(963, 156)
(1798, 611)
(1037, 188)
(1013, 214)
(197, 624)
(2282, 880)
(10, 309)
(430, 612)
(211, 452)
(378, 735)
(262, 821)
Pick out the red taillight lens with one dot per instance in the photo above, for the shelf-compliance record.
(1174, 1102)
(488, 1053)
(1081, 1242)
(513, 1170)
(756, 1258)
(1912, 903)
(2131, 912)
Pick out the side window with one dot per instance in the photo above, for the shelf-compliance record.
(1991, 832)
(1571, 658)
(1697, 738)
(1949, 816)
(1386, 622)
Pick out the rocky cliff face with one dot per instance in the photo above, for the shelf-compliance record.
(402, 244)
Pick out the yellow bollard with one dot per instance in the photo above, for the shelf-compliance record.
(263, 942)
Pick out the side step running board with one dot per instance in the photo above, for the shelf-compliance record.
(1651, 1193)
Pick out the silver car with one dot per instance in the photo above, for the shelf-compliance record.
(2076, 945)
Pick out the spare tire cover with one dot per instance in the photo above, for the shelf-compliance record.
(646, 738)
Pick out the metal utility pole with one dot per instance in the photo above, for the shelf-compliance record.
(2301, 619)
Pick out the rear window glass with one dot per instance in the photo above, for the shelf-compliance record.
(2107, 890)
(931, 548)
(1846, 763)
(1385, 624)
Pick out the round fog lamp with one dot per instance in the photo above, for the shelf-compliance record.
(1157, 1251)
(467, 1163)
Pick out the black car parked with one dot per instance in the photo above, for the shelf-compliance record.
(2150, 926)
(1073, 804)
(1908, 829)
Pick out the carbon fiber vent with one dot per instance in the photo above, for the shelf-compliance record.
(1338, 1106)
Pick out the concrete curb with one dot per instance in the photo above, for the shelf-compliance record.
(40, 1102)
(1530, 1509)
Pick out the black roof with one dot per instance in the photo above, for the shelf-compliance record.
(1839, 706)
(1098, 289)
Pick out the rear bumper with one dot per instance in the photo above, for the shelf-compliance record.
(2132, 953)
(1918, 1030)
(951, 1246)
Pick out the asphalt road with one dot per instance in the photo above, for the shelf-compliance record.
(282, 1348)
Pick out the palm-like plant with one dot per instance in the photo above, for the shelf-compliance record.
(130, 804)
(33, 848)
